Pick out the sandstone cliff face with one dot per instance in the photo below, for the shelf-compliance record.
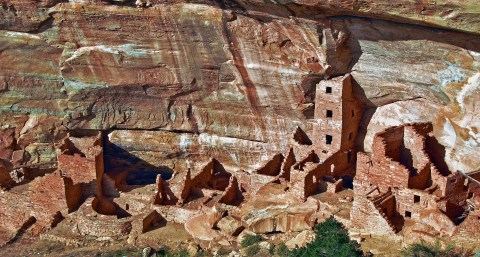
(243, 71)
(209, 93)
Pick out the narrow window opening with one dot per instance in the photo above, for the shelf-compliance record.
(416, 198)
(328, 139)
(329, 113)
(127, 207)
(353, 113)
(328, 90)
(349, 156)
(350, 136)
(408, 214)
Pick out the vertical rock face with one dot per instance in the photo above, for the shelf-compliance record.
(232, 70)
(221, 86)
(421, 78)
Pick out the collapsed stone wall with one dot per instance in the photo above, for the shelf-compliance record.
(90, 222)
(367, 219)
(469, 227)
(37, 206)
(422, 194)
(232, 194)
(52, 196)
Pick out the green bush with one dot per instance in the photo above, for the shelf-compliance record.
(271, 250)
(129, 252)
(424, 249)
(332, 241)
(166, 252)
(251, 240)
(252, 250)
(222, 252)
(282, 250)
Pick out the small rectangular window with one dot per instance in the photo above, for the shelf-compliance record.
(408, 214)
(328, 90)
(329, 113)
(328, 139)
(416, 198)
(353, 113)
(350, 136)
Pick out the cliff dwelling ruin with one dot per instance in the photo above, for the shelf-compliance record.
(194, 124)
(401, 188)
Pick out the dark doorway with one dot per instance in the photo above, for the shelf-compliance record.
(416, 198)
(328, 139)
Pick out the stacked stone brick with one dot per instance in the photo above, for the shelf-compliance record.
(403, 166)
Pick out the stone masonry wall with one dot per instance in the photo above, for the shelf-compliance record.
(368, 220)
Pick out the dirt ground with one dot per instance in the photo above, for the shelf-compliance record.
(59, 243)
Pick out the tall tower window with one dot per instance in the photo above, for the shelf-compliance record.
(416, 198)
(328, 90)
(329, 113)
(353, 113)
(328, 139)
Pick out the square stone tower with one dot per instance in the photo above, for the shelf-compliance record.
(337, 116)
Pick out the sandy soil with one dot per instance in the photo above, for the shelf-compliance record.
(60, 242)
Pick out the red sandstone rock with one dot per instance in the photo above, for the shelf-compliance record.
(438, 220)
(301, 240)
(7, 143)
(201, 227)
(248, 105)
(272, 210)
(5, 178)
(230, 226)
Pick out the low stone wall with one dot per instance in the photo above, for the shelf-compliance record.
(92, 223)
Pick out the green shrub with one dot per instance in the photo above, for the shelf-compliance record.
(249, 240)
(252, 250)
(424, 249)
(166, 252)
(282, 250)
(271, 250)
(129, 252)
(332, 241)
(223, 252)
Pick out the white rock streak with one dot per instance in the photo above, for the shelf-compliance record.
(128, 49)
(468, 89)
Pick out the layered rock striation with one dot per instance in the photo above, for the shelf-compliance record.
(101, 99)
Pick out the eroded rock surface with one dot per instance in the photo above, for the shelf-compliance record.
(235, 116)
